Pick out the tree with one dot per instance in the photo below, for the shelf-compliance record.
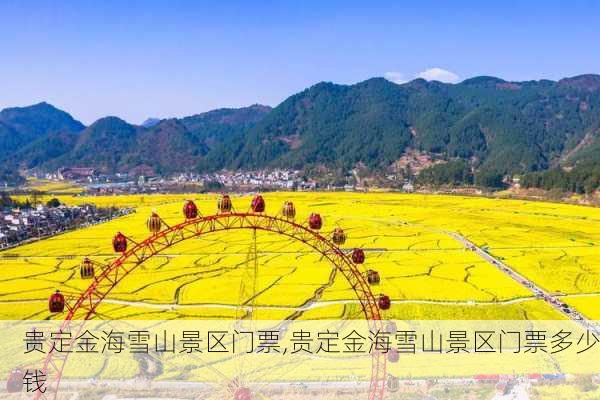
(489, 179)
(584, 178)
(35, 198)
(53, 203)
(5, 201)
(456, 172)
(213, 186)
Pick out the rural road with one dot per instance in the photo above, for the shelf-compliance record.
(310, 306)
(539, 292)
(518, 392)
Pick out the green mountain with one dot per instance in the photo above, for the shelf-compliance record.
(20, 126)
(169, 145)
(40, 132)
(150, 122)
(494, 126)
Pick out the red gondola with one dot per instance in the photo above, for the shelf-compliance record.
(393, 356)
(120, 243)
(190, 211)
(154, 223)
(358, 256)
(14, 383)
(56, 303)
(87, 269)
(224, 204)
(289, 211)
(314, 221)
(373, 277)
(242, 394)
(384, 302)
(258, 204)
(339, 237)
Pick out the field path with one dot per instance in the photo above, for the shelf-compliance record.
(538, 291)
(306, 307)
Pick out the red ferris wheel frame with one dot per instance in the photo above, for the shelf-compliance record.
(83, 306)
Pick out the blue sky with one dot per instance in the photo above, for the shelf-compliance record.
(162, 59)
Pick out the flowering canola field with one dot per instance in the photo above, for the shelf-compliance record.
(427, 273)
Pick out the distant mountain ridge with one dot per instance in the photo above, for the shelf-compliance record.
(499, 125)
(111, 144)
(150, 122)
(492, 124)
(19, 126)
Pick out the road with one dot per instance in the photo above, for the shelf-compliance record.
(306, 307)
(538, 291)
(520, 391)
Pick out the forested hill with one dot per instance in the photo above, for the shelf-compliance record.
(112, 144)
(497, 125)
(491, 124)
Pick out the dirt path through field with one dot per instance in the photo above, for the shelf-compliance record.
(538, 291)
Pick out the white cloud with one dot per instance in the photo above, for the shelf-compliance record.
(430, 74)
(438, 74)
(396, 77)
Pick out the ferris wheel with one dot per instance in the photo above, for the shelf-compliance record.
(131, 254)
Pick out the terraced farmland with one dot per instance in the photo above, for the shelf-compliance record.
(427, 272)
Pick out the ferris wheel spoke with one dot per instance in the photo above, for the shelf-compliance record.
(101, 316)
(132, 254)
(352, 311)
(247, 297)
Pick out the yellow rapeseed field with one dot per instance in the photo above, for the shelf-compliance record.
(44, 185)
(427, 273)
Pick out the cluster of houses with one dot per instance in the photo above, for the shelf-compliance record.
(275, 179)
(72, 174)
(20, 225)
(123, 183)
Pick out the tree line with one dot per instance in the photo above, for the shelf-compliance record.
(582, 179)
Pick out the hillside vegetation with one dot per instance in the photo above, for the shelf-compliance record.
(496, 127)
